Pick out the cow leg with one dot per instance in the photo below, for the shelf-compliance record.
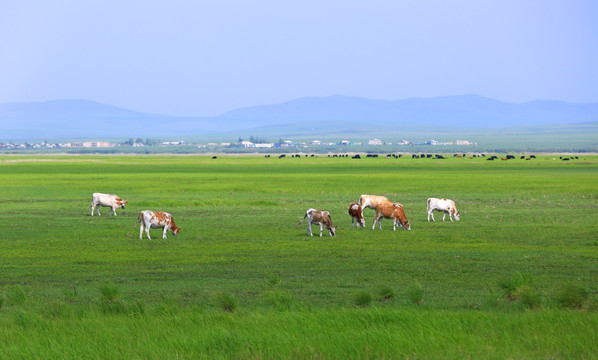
(443, 215)
(431, 213)
(377, 218)
(309, 228)
(92, 208)
(321, 228)
(113, 209)
(164, 232)
(147, 228)
(394, 224)
(141, 231)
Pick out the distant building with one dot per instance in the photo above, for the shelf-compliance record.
(166, 143)
(375, 142)
(90, 144)
(466, 142)
(264, 145)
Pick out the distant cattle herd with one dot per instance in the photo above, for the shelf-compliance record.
(423, 156)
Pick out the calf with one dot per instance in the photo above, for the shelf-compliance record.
(445, 205)
(392, 211)
(156, 219)
(108, 200)
(321, 218)
(356, 214)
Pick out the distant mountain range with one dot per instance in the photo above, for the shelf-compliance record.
(309, 116)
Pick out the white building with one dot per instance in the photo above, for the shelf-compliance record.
(266, 145)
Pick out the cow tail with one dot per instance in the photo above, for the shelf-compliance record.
(139, 217)
(299, 223)
(428, 205)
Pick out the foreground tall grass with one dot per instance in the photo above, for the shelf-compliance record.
(516, 277)
(334, 333)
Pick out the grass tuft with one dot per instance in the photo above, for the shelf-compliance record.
(361, 299)
(226, 302)
(280, 300)
(18, 295)
(415, 294)
(529, 297)
(513, 285)
(384, 293)
(572, 296)
(110, 292)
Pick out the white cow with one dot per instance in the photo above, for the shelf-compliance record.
(320, 217)
(445, 205)
(156, 219)
(108, 200)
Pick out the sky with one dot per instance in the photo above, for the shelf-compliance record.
(203, 58)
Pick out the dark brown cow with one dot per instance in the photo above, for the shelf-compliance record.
(356, 214)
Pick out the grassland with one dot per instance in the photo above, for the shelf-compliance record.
(241, 281)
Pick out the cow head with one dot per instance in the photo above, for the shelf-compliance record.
(362, 222)
(406, 225)
(175, 230)
(457, 215)
(121, 203)
(332, 231)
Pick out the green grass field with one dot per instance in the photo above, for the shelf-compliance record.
(517, 277)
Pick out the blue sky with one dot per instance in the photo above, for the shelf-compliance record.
(203, 58)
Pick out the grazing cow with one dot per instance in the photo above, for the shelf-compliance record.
(156, 219)
(446, 205)
(109, 200)
(393, 211)
(356, 214)
(321, 218)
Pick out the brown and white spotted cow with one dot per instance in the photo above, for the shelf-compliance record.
(393, 211)
(356, 214)
(156, 219)
(445, 205)
(108, 200)
(320, 217)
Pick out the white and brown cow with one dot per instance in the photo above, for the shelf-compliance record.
(356, 214)
(320, 217)
(393, 211)
(445, 205)
(108, 200)
(156, 219)
(371, 201)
